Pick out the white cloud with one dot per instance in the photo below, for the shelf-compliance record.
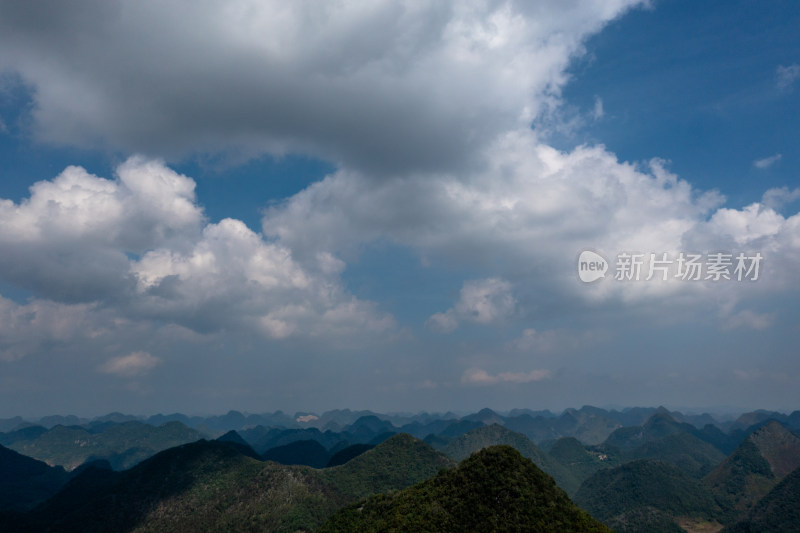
(746, 225)
(143, 207)
(70, 239)
(767, 161)
(477, 376)
(387, 84)
(36, 325)
(481, 301)
(443, 322)
(777, 197)
(785, 76)
(598, 112)
(524, 201)
(232, 276)
(132, 365)
(524, 213)
(140, 246)
(424, 108)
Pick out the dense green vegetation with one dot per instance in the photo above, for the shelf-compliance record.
(301, 452)
(216, 486)
(779, 446)
(227, 486)
(639, 495)
(477, 439)
(494, 490)
(756, 467)
(396, 463)
(657, 427)
(233, 436)
(25, 482)
(742, 479)
(778, 511)
(123, 445)
(692, 455)
(348, 453)
(644, 520)
(28, 433)
(583, 461)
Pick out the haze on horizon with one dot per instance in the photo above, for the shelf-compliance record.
(381, 205)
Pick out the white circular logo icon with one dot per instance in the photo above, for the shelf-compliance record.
(591, 266)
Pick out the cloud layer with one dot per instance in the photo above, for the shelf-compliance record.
(384, 86)
(434, 116)
(524, 215)
(481, 302)
(476, 376)
(131, 365)
(140, 247)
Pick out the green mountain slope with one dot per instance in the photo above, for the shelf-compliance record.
(657, 427)
(24, 481)
(589, 425)
(123, 445)
(495, 489)
(26, 433)
(396, 463)
(777, 512)
(90, 482)
(692, 455)
(216, 486)
(755, 468)
(233, 436)
(580, 460)
(346, 454)
(780, 447)
(301, 452)
(645, 496)
(462, 447)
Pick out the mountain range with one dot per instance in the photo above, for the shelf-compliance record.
(219, 486)
(493, 490)
(664, 472)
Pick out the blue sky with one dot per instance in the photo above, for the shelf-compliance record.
(696, 83)
(261, 206)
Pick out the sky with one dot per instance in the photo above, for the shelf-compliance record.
(398, 205)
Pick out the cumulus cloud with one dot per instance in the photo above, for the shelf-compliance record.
(232, 276)
(132, 365)
(747, 225)
(139, 245)
(477, 376)
(481, 301)
(498, 199)
(525, 201)
(384, 85)
(767, 161)
(524, 213)
(70, 238)
(778, 197)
